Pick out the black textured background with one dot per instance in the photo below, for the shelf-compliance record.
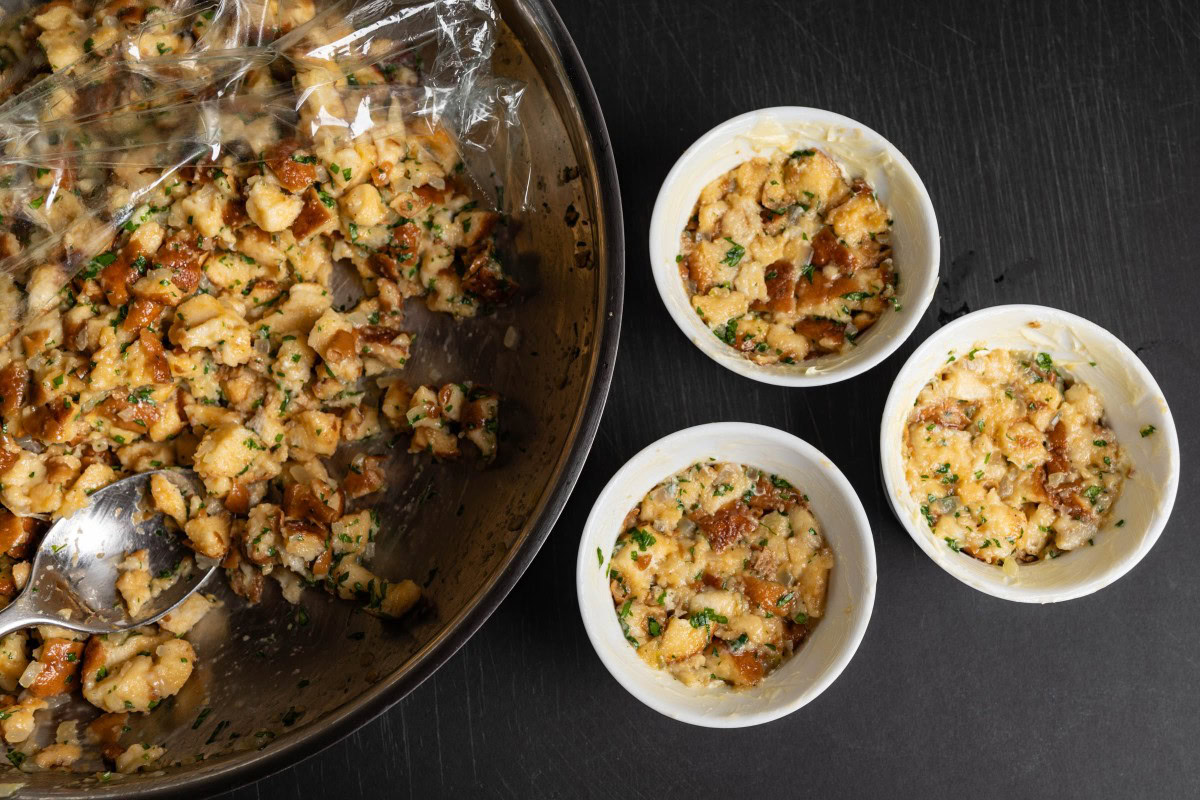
(1060, 142)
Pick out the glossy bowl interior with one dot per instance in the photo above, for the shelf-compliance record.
(275, 683)
(915, 239)
(1132, 401)
(851, 587)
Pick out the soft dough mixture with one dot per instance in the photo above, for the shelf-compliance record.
(787, 259)
(1011, 459)
(204, 334)
(720, 574)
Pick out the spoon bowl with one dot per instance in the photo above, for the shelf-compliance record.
(73, 580)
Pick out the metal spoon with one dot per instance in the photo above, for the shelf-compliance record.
(72, 583)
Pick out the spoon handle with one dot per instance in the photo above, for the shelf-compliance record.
(23, 612)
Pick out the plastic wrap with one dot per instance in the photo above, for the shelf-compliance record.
(114, 111)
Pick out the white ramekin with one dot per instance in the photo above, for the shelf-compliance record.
(760, 133)
(851, 589)
(1132, 400)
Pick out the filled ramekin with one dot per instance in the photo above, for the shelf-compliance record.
(1135, 409)
(914, 234)
(849, 601)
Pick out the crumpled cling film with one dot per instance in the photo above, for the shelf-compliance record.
(109, 107)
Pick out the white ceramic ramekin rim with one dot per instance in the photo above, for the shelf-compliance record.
(852, 583)
(915, 235)
(1132, 400)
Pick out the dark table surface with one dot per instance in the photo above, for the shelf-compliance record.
(1058, 141)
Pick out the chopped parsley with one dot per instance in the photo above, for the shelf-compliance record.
(706, 617)
(643, 538)
(734, 254)
(727, 333)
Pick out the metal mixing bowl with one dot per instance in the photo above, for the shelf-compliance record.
(282, 682)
